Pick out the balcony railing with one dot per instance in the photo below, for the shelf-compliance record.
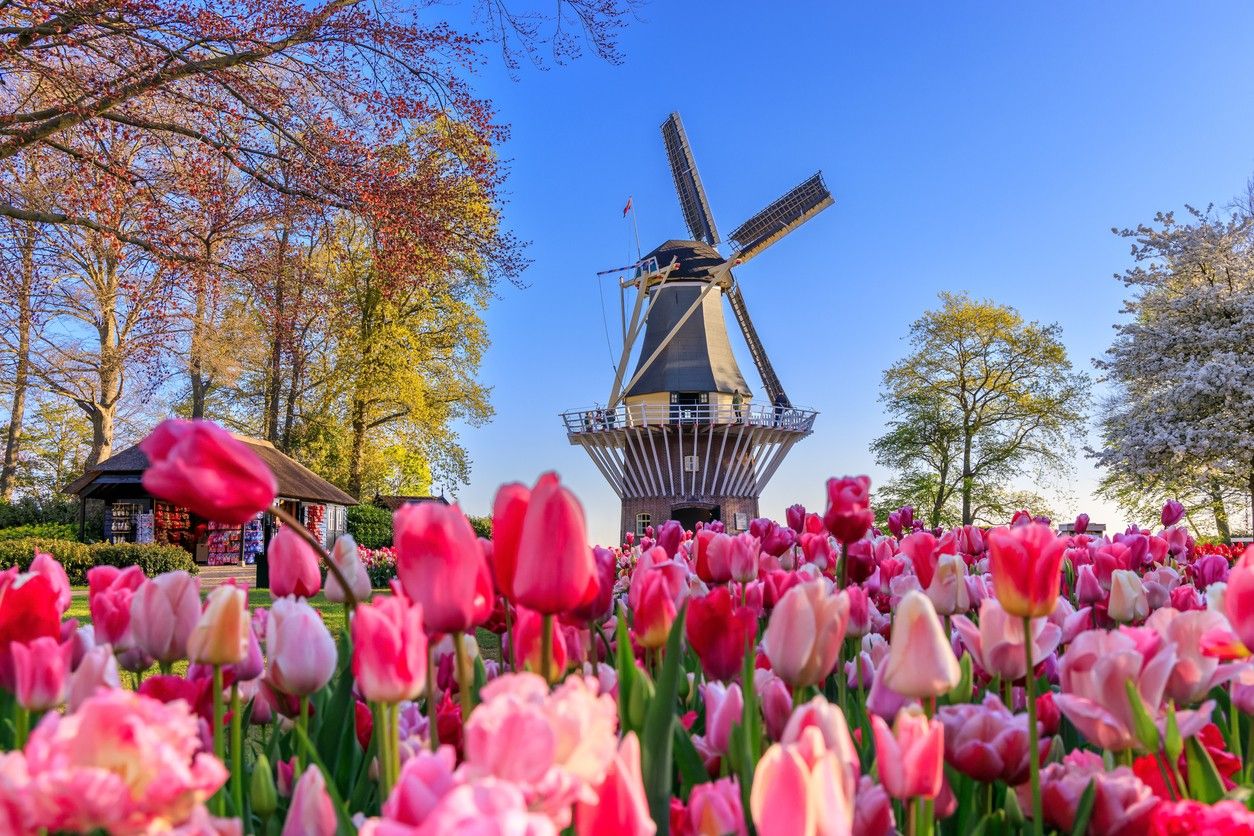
(628, 416)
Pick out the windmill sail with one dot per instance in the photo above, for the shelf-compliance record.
(770, 381)
(781, 217)
(688, 182)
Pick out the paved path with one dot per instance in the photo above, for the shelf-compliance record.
(214, 576)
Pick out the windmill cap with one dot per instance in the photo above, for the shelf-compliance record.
(697, 260)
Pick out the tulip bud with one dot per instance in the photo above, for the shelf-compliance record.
(221, 635)
(262, 794)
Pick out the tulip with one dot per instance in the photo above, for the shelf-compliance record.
(109, 597)
(948, 589)
(1238, 598)
(345, 556)
(1172, 513)
(509, 509)
(894, 524)
(776, 700)
(911, 757)
(719, 633)
(801, 789)
(1026, 563)
(621, 806)
(1088, 589)
(220, 637)
(293, 565)
(28, 610)
(829, 720)
(860, 608)
(669, 536)
(554, 563)
(598, 604)
(920, 660)
(1081, 524)
(199, 466)
(714, 809)
(658, 588)
(263, 797)
(1093, 675)
(528, 643)
(724, 709)
(41, 669)
(1122, 803)
(921, 548)
(164, 612)
(50, 568)
(300, 653)
(312, 812)
(389, 650)
(996, 645)
(985, 741)
(743, 555)
(849, 516)
(795, 516)
(804, 635)
(1127, 597)
(98, 670)
(873, 814)
(441, 566)
(1194, 674)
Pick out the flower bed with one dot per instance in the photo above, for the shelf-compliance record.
(812, 677)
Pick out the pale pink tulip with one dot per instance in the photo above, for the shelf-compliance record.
(724, 709)
(312, 812)
(98, 670)
(1122, 803)
(714, 809)
(1128, 602)
(804, 635)
(920, 660)
(996, 645)
(300, 653)
(1194, 674)
(344, 555)
(802, 789)
(164, 612)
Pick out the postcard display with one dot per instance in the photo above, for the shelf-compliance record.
(234, 544)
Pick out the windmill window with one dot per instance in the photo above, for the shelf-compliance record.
(642, 522)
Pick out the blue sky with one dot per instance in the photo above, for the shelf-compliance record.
(980, 147)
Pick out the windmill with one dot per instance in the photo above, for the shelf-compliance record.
(680, 436)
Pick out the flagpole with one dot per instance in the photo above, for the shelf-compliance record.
(635, 228)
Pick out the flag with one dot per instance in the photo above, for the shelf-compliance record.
(627, 208)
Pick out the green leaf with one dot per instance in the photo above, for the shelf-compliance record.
(1014, 814)
(1172, 743)
(657, 736)
(1205, 785)
(691, 767)
(1142, 722)
(628, 677)
(1084, 810)
(962, 691)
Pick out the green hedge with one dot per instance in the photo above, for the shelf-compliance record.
(77, 558)
(482, 526)
(43, 531)
(370, 526)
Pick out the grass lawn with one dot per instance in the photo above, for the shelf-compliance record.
(331, 612)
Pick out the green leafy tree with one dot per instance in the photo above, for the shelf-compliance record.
(982, 396)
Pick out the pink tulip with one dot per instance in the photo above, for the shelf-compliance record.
(996, 645)
(312, 812)
(41, 668)
(1025, 562)
(426, 777)
(830, 722)
(776, 700)
(98, 670)
(724, 709)
(1194, 674)
(744, 551)
(109, 597)
(492, 809)
(300, 653)
(1238, 597)
(1122, 804)
(200, 466)
(1087, 587)
(986, 742)
(527, 641)
(346, 558)
(801, 789)
(1092, 675)
(795, 515)
(920, 660)
(293, 566)
(873, 810)
(621, 806)
(1128, 602)
(911, 757)
(49, 567)
(714, 809)
(1172, 513)
(389, 650)
(849, 516)
(509, 509)
(441, 566)
(555, 566)
(805, 632)
(121, 763)
(164, 612)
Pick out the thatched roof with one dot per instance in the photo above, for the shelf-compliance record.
(391, 503)
(295, 480)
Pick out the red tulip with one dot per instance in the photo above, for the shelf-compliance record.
(554, 561)
(527, 638)
(509, 509)
(293, 566)
(796, 517)
(389, 650)
(1026, 563)
(51, 568)
(849, 515)
(200, 466)
(719, 632)
(621, 807)
(441, 566)
(28, 611)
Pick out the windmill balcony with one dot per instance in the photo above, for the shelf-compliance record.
(638, 416)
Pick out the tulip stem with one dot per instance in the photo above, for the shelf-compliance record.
(276, 511)
(1034, 755)
(840, 568)
(609, 651)
(302, 723)
(1249, 752)
(546, 647)
(507, 640)
(21, 726)
(394, 745)
(1161, 759)
(237, 753)
(463, 674)
(433, 729)
(382, 746)
(219, 744)
(1234, 723)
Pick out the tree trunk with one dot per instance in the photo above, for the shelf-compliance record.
(289, 407)
(1221, 513)
(356, 463)
(274, 382)
(21, 377)
(967, 482)
(195, 358)
(101, 433)
(110, 378)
